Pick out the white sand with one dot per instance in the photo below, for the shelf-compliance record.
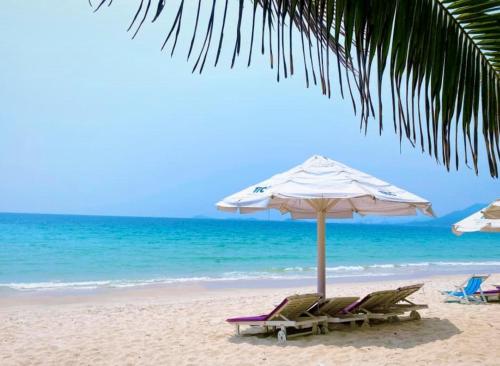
(185, 326)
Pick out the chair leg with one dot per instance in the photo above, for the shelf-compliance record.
(482, 295)
(415, 315)
(466, 297)
(282, 335)
(315, 329)
(324, 328)
(365, 324)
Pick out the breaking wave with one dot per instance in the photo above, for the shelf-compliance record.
(288, 273)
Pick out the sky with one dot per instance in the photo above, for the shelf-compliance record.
(95, 123)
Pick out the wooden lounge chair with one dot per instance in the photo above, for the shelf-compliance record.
(399, 304)
(335, 305)
(364, 309)
(292, 312)
(333, 309)
(379, 305)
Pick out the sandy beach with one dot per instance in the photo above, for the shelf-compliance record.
(172, 171)
(185, 326)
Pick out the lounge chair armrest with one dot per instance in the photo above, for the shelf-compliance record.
(408, 302)
(461, 289)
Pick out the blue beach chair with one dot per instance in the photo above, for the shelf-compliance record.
(468, 292)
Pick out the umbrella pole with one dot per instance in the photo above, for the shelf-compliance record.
(321, 252)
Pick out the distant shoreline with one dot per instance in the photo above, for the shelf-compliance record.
(440, 221)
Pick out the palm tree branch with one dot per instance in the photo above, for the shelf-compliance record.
(481, 28)
(441, 58)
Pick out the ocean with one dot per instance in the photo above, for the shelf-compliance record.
(47, 252)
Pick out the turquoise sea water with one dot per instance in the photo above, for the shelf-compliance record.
(39, 252)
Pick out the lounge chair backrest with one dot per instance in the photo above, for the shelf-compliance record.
(374, 300)
(293, 306)
(335, 305)
(474, 284)
(378, 299)
(403, 292)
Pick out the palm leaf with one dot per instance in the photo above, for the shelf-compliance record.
(442, 59)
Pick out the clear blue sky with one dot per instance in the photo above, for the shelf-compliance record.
(94, 123)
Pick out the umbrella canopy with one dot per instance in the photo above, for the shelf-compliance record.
(323, 188)
(488, 220)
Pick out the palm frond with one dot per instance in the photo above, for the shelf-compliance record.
(442, 59)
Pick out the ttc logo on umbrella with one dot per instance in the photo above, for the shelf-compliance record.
(260, 189)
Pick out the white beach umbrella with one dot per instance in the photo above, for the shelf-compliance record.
(323, 188)
(488, 220)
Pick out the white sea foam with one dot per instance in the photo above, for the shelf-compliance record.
(299, 269)
(492, 263)
(421, 264)
(55, 285)
(92, 285)
(344, 268)
(368, 267)
(289, 273)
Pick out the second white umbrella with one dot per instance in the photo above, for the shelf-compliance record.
(487, 220)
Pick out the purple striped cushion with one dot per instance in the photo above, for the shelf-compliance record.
(348, 308)
(489, 292)
(258, 318)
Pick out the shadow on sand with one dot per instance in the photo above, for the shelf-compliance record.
(400, 335)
